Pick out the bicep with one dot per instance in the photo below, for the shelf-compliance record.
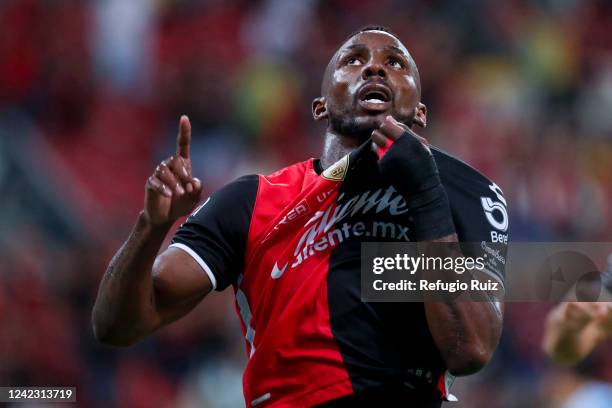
(179, 284)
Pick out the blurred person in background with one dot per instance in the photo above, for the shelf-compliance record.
(574, 330)
(289, 244)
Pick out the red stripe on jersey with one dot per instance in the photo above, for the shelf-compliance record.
(296, 359)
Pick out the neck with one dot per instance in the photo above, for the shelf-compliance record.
(336, 146)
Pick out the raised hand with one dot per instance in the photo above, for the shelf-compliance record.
(576, 315)
(408, 163)
(390, 130)
(172, 192)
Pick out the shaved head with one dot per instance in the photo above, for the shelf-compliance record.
(372, 75)
(329, 69)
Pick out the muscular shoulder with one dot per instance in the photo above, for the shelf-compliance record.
(456, 171)
(224, 203)
(480, 210)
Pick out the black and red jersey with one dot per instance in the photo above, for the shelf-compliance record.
(289, 244)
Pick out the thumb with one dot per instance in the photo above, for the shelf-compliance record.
(197, 188)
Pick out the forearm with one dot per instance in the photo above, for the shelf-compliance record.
(465, 332)
(124, 311)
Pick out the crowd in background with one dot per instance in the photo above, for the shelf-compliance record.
(90, 96)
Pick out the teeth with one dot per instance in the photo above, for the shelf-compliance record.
(375, 100)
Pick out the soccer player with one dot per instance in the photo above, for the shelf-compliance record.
(289, 245)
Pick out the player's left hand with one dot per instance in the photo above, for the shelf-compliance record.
(408, 164)
(391, 129)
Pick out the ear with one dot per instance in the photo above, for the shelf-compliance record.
(319, 108)
(420, 115)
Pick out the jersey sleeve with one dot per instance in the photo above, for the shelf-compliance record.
(216, 233)
(480, 213)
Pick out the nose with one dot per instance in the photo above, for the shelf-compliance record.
(373, 69)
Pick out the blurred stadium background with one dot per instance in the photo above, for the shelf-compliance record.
(90, 96)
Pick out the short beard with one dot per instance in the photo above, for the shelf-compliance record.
(350, 127)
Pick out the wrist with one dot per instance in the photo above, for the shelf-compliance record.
(430, 215)
(409, 166)
(147, 226)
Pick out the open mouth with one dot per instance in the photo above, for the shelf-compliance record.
(375, 97)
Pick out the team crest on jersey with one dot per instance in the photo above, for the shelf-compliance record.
(337, 171)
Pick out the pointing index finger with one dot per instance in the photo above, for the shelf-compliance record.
(184, 137)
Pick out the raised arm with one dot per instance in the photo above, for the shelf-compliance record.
(141, 291)
(466, 333)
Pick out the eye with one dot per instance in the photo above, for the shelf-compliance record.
(353, 61)
(396, 63)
